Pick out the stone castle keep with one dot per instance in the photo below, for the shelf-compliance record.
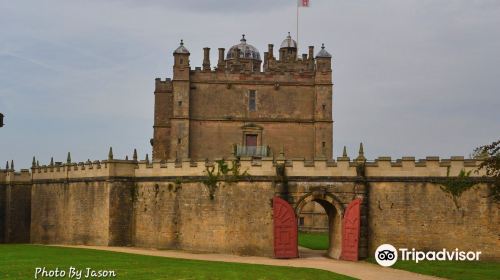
(271, 118)
(239, 109)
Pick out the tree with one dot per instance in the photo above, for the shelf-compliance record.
(490, 156)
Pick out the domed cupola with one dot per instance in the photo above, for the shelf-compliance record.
(288, 42)
(246, 51)
(288, 49)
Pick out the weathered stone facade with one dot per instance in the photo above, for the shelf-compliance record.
(205, 113)
(285, 109)
(15, 206)
(167, 205)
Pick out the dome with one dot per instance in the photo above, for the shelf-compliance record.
(246, 50)
(181, 48)
(323, 52)
(288, 42)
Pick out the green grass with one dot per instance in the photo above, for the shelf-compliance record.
(20, 261)
(456, 270)
(315, 241)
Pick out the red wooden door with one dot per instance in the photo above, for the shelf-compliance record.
(285, 230)
(350, 231)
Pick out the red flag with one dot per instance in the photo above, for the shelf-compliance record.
(303, 3)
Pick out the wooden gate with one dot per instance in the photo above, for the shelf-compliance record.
(285, 230)
(350, 231)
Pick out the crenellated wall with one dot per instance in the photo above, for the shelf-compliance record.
(15, 206)
(167, 205)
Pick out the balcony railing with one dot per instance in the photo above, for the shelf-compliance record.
(252, 151)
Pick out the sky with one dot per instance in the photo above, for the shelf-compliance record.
(411, 77)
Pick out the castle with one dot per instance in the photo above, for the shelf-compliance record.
(239, 109)
(238, 153)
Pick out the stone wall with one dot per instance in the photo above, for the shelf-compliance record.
(15, 206)
(70, 213)
(166, 205)
(224, 134)
(420, 215)
(18, 213)
(238, 220)
(211, 101)
(165, 215)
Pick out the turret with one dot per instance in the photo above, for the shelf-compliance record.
(179, 123)
(323, 60)
(323, 101)
(181, 62)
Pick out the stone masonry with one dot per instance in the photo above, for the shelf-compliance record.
(166, 204)
(208, 113)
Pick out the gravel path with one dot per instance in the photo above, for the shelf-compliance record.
(309, 258)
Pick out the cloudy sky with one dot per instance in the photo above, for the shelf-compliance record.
(412, 77)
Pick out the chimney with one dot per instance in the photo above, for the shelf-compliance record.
(270, 50)
(206, 59)
(220, 64)
(311, 52)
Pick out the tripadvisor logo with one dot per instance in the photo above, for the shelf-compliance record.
(387, 255)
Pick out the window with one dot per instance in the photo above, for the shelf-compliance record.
(181, 61)
(324, 107)
(252, 104)
(251, 140)
(323, 144)
(179, 140)
(179, 103)
(301, 221)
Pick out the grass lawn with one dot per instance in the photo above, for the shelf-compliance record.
(315, 241)
(20, 261)
(452, 269)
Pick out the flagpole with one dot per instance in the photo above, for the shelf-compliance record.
(297, 28)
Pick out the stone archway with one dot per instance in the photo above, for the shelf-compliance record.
(334, 210)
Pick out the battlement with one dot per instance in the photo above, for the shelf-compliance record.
(11, 176)
(287, 71)
(163, 86)
(243, 58)
(295, 167)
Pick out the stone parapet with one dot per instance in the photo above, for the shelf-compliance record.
(295, 167)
